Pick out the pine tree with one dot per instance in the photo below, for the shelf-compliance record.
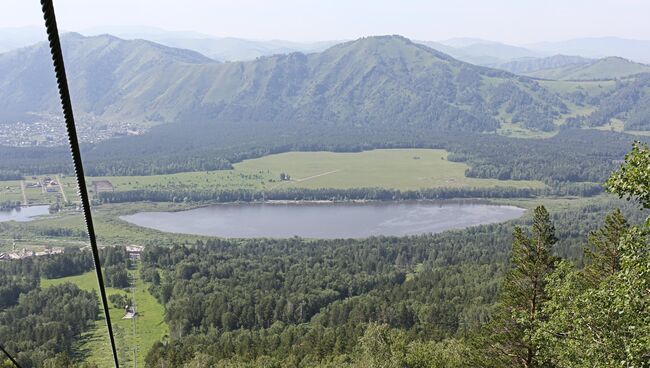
(510, 334)
(600, 317)
(603, 250)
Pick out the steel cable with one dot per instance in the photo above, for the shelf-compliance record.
(66, 104)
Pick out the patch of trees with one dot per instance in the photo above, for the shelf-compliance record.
(115, 262)
(45, 323)
(120, 300)
(10, 175)
(11, 286)
(524, 108)
(116, 276)
(377, 194)
(374, 194)
(629, 101)
(9, 205)
(71, 262)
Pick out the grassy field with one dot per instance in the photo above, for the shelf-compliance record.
(10, 190)
(398, 169)
(149, 326)
(394, 168)
(515, 130)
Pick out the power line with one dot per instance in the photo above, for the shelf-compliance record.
(66, 105)
(9, 356)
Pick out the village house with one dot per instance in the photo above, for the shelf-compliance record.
(134, 251)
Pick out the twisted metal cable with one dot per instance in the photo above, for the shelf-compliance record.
(66, 104)
(10, 357)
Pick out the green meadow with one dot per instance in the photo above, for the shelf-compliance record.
(386, 168)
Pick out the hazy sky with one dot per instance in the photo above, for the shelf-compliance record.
(512, 21)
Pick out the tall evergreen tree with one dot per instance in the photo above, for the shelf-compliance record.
(601, 318)
(603, 250)
(509, 337)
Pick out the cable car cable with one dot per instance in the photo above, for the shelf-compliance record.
(9, 356)
(66, 105)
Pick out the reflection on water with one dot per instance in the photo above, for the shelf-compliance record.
(22, 214)
(325, 220)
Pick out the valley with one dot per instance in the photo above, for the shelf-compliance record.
(363, 203)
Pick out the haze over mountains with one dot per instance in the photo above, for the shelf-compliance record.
(472, 50)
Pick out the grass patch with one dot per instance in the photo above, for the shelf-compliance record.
(515, 130)
(402, 169)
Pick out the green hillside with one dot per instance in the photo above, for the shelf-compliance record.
(534, 64)
(370, 81)
(607, 68)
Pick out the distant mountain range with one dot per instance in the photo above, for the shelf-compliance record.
(533, 64)
(585, 69)
(599, 47)
(374, 80)
(472, 50)
(218, 48)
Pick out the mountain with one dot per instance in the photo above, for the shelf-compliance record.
(529, 65)
(218, 48)
(599, 47)
(486, 53)
(385, 80)
(237, 49)
(606, 68)
(100, 70)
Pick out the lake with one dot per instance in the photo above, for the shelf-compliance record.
(325, 220)
(23, 214)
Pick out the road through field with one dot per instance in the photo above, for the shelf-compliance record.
(22, 189)
(58, 180)
(316, 176)
(304, 179)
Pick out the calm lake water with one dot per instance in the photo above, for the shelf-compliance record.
(23, 214)
(324, 220)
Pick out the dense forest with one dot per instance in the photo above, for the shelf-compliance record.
(574, 155)
(628, 102)
(374, 194)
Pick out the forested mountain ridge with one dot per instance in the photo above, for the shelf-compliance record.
(629, 103)
(100, 70)
(605, 68)
(373, 80)
(535, 64)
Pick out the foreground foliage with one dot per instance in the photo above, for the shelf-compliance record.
(597, 316)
